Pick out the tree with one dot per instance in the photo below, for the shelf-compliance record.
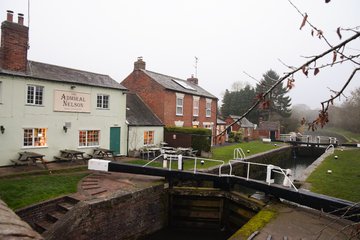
(276, 104)
(347, 116)
(237, 102)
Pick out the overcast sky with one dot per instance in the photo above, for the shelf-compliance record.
(228, 37)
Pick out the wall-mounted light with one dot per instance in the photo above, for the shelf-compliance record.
(72, 86)
(65, 128)
(2, 129)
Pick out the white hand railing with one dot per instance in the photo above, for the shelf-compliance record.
(239, 153)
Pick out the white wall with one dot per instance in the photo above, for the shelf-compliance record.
(16, 115)
(136, 136)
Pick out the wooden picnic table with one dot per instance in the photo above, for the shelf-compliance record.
(102, 153)
(71, 155)
(28, 158)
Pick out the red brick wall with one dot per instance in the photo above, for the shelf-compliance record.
(163, 102)
(149, 91)
(234, 127)
(14, 46)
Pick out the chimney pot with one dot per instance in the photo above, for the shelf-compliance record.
(9, 16)
(20, 19)
(193, 80)
(139, 64)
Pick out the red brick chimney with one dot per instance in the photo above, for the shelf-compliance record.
(139, 64)
(193, 80)
(14, 43)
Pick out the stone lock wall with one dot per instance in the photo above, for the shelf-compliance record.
(13, 228)
(117, 217)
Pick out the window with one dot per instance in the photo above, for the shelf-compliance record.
(88, 138)
(102, 101)
(179, 104)
(148, 137)
(196, 106)
(0, 92)
(35, 137)
(34, 95)
(208, 107)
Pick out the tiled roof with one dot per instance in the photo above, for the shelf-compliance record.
(220, 122)
(168, 83)
(138, 113)
(267, 125)
(62, 74)
(244, 122)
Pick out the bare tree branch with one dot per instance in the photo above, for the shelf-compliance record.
(330, 100)
(306, 64)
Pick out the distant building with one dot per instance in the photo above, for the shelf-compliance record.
(268, 129)
(244, 125)
(176, 102)
(144, 127)
(46, 108)
(220, 128)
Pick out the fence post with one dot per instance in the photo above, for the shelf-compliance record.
(165, 162)
(286, 182)
(269, 180)
(180, 162)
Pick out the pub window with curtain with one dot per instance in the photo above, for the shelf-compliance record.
(88, 138)
(35, 137)
(148, 137)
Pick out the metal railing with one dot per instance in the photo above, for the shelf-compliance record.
(239, 154)
(198, 160)
(308, 138)
(330, 149)
(269, 169)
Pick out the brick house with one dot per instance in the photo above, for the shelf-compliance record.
(245, 126)
(269, 129)
(176, 102)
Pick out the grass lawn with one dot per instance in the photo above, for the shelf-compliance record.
(225, 154)
(344, 181)
(25, 190)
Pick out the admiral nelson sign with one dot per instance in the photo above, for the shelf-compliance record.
(65, 101)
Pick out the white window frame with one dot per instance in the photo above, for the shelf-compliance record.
(32, 101)
(1, 91)
(33, 138)
(147, 133)
(196, 103)
(208, 107)
(102, 101)
(179, 107)
(87, 143)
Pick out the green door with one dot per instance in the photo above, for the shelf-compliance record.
(115, 139)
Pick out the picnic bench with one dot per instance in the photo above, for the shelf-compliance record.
(26, 158)
(101, 153)
(71, 155)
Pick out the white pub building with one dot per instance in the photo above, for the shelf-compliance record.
(46, 108)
